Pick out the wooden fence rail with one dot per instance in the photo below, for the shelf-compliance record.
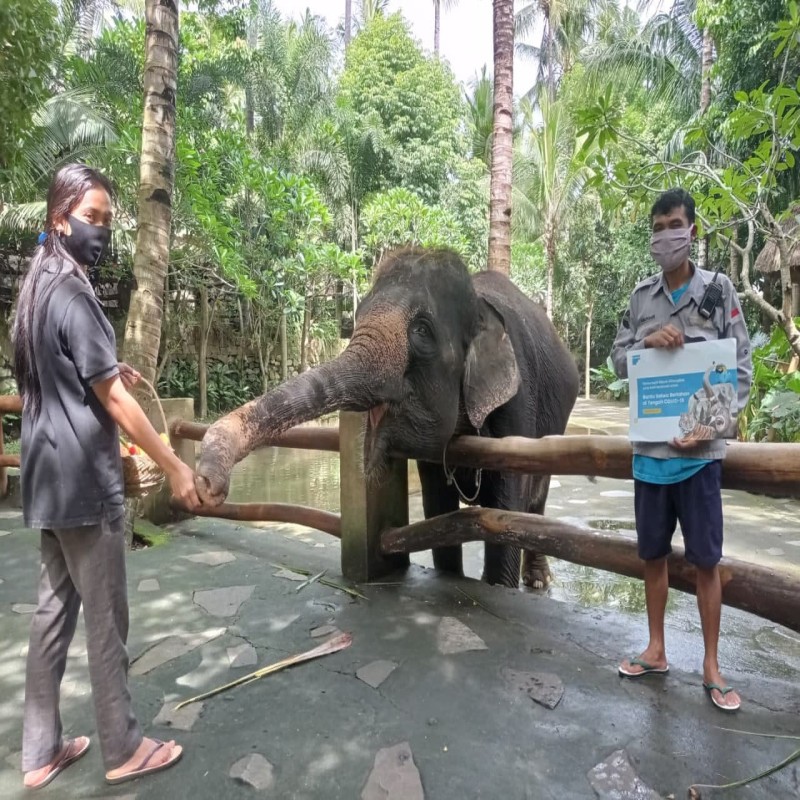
(770, 593)
(376, 535)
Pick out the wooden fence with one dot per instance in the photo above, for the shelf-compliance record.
(376, 536)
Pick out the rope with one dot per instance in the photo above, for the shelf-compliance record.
(450, 474)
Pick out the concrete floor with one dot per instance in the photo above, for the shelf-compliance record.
(464, 656)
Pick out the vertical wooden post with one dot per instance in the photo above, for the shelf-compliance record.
(3, 471)
(368, 510)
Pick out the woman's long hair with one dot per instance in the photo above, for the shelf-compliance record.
(50, 266)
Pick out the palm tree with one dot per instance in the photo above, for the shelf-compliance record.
(348, 21)
(290, 80)
(567, 26)
(665, 55)
(502, 137)
(480, 116)
(549, 176)
(371, 9)
(143, 328)
(66, 127)
(437, 20)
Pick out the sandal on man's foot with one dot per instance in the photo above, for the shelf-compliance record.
(647, 669)
(71, 751)
(723, 690)
(142, 769)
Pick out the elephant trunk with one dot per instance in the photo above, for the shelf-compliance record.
(356, 381)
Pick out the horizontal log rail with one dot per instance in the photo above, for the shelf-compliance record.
(769, 593)
(10, 404)
(764, 468)
(303, 437)
(9, 461)
(324, 521)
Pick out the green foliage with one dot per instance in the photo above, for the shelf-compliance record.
(230, 385)
(607, 384)
(528, 268)
(399, 217)
(415, 100)
(27, 39)
(773, 410)
(727, 189)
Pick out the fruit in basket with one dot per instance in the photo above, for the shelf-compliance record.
(133, 450)
(164, 438)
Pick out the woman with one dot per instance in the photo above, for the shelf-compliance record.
(72, 486)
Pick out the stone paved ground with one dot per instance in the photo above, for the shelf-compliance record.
(451, 689)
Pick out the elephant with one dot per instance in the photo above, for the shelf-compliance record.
(435, 353)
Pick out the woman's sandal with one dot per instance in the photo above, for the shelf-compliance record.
(142, 769)
(72, 750)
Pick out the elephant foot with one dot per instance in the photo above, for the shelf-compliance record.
(536, 572)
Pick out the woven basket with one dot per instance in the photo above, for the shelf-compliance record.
(142, 475)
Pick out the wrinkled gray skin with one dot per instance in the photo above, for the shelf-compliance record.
(435, 352)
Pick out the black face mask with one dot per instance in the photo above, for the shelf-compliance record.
(87, 244)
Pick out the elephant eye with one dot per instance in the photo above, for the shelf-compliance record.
(420, 329)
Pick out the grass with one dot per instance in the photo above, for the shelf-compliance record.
(146, 534)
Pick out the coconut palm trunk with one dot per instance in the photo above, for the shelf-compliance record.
(707, 62)
(143, 329)
(500, 190)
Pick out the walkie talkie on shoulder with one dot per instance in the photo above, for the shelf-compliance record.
(711, 298)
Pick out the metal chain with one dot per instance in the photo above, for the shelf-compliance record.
(450, 475)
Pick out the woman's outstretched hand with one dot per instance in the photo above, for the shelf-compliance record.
(182, 483)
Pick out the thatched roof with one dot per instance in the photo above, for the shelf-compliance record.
(768, 259)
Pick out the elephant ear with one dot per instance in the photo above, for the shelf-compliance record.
(491, 374)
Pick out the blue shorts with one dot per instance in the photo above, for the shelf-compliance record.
(695, 502)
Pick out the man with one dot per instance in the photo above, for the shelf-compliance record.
(680, 480)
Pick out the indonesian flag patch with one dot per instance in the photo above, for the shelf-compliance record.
(734, 313)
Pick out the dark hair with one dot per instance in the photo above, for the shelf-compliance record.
(50, 266)
(672, 199)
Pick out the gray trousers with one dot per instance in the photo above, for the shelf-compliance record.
(80, 564)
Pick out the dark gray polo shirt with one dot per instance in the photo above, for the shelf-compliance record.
(71, 466)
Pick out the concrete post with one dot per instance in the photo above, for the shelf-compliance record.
(367, 511)
(156, 506)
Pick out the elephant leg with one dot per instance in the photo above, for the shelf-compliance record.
(536, 572)
(501, 562)
(439, 498)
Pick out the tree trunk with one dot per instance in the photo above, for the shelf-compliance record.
(143, 328)
(550, 254)
(284, 348)
(202, 353)
(502, 133)
(707, 63)
(588, 374)
(348, 21)
(252, 44)
(437, 22)
(551, 76)
(307, 309)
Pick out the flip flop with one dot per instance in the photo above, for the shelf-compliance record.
(723, 690)
(647, 669)
(66, 757)
(143, 769)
